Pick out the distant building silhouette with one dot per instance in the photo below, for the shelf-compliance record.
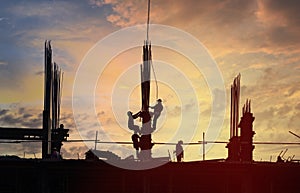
(97, 154)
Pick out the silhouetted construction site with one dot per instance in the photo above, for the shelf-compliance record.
(234, 174)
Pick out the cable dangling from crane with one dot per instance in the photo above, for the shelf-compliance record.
(155, 80)
(148, 42)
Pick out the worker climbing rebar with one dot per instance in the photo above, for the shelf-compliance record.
(156, 113)
(131, 124)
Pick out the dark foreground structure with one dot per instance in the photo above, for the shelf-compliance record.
(81, 176)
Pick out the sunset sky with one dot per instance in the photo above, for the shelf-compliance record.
(259, 39)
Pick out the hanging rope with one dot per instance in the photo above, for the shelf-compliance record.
(147, 42)
(155, 80)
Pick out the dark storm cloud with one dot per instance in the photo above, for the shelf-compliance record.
(22, 117)
(9, 120)
(26, 115)
(32, 122)
(3, 112)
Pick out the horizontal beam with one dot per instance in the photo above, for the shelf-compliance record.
(156, 143)
(28, 134)
(258, 143)
(21, 133)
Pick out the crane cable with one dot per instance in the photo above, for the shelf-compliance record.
(154, 74)
(155, 80)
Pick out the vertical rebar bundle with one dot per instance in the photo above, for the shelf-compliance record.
(234, 110)
(56, 95)
(46, 145)
(145, 77)
(52, 98)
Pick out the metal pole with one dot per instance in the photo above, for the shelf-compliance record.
(96, 140)
(148, 21)
(294, 134)
(46, 144)
(203, 145)
(238, 104)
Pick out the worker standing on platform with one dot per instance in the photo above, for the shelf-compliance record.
(156, 113)
(179, 151)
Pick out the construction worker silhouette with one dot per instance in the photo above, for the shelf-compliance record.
(131, 124)
(156, 113)
(55, 155)
(179, 151)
